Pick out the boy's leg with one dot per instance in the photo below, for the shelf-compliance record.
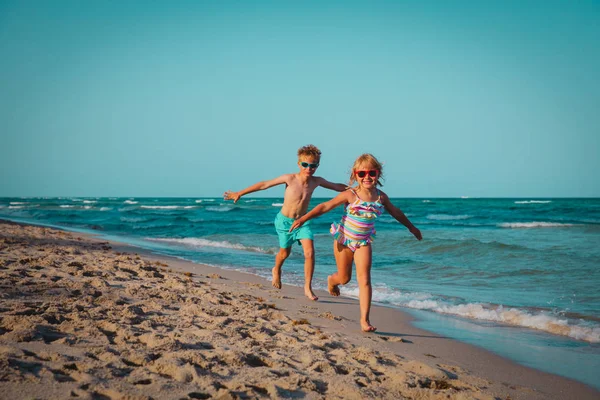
(279, 259)
(363, 260)
(343, 259)
(309, 267)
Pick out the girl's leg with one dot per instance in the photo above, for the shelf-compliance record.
(309, 267)
(279, 259)
(363, 261)
(343, 259)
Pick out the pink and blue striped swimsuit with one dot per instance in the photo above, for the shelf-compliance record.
(357, 227)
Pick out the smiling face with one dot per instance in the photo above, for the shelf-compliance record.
(308, 164)
(367, 171)
(366, 174)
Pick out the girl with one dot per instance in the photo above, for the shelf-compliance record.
(353, 235)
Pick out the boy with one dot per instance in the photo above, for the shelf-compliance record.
(299, 188)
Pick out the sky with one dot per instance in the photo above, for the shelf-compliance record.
(192, 98)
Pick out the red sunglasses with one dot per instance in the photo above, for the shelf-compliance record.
(372, 173)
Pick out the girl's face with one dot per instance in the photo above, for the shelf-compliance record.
(366, 175)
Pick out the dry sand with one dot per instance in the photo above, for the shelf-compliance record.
(87, 319)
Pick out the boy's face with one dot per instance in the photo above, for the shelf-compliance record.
(308, 165)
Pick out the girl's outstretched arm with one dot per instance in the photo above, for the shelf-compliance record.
(399, 216)
(322, 208)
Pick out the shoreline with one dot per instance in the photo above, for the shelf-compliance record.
(417, 361)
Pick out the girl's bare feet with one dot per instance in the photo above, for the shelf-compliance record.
(334, 290)
(276, 281)
(309, 293)
(367, 327)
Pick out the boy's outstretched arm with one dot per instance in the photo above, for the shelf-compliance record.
(322, 208)
(338, 187)
(235, 196)
(399, 216)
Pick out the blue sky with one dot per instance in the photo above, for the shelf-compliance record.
(493, 99)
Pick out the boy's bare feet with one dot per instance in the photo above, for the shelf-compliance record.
(367, 327)
(334, 290)
(276, 281)
(309, 293)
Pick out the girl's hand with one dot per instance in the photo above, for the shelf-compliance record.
(416, 232)
(297, 224)
(229, 195)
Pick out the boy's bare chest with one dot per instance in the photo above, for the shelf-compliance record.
(300, 191)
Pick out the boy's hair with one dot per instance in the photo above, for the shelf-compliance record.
(309, 150)
(370, 159)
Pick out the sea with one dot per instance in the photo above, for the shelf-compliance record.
(517, 276)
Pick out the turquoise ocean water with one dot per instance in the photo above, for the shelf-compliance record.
(520, 277)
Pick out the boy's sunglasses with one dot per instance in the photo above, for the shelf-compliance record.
(372, 173)
(308, 165)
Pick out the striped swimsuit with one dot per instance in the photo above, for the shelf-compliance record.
(357, 227)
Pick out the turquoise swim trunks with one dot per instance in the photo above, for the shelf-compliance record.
(287, 238)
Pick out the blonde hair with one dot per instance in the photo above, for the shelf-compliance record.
(370, 159)
(309, 150)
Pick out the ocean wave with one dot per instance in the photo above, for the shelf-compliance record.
(66, 206)
(105, 208)
(220, 209)
(198, 201)
(198, 242)
(496, 313)
(16, 203)
(513, 316)
(133, 219)
(14, 207)
(160, 207)
(89, 201)
(517, 225)
(533, 202)
(130, 202)
(448, 217)
(277, 204)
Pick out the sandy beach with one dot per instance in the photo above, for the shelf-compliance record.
(84, 318)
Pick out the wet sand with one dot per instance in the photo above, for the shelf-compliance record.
(85, 318)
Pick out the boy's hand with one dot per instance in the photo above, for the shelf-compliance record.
(297, 224)
(229, 195)
(416, 232)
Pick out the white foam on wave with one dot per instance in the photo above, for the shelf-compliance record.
(447, 217)
(133, 219)
(130, 202)
(533, 202)
(506, 315)
(105, 208)
(188, 207)
(198, 201)
(277, 204)
(16, 203)
(90, 201)
(512, 316)
(426, 201)
(517, 225)
(13, 207)
(198, 242)
(66, 206)
(219, 209)
(160, 207)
